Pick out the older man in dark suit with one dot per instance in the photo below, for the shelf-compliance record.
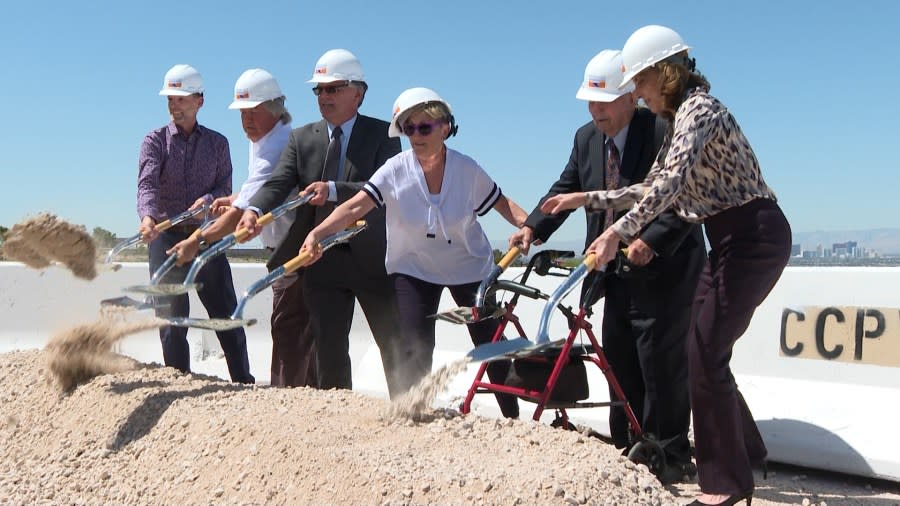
(338, 154)
(645, 319)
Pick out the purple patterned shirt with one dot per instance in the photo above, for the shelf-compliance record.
(174, 170)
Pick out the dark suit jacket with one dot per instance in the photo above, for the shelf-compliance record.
(302, 163)
(586, 171)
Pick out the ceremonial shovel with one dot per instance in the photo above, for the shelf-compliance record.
(157, 276)
(480, 311)
(522, 347)
(237, 319)
(228, 241)
(161, 226)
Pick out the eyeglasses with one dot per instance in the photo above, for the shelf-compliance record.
(329, 90)
(424, 129)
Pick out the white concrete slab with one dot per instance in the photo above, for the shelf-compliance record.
(817, 413)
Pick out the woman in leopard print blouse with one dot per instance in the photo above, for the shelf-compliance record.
(707, 172)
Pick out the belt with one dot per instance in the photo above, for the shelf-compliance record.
(184, 228)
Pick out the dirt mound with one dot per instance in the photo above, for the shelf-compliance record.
(154, 436)
(40, 240)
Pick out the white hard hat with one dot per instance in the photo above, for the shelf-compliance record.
(182, 80)
(254, 87)
(602, 77)
(411, 98)
(647, 46)
(337, 65)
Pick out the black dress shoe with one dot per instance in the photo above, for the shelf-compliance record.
(730, 501)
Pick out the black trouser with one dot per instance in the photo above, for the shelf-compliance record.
(416, 300)
(330, 289)
(216, 292)
(645, 329)
(750, 246)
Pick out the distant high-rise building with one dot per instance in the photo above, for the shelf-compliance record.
(796, 250)
(819, 251)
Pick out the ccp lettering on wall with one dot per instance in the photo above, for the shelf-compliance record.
(859, 335)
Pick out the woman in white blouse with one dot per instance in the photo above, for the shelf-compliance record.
(707, 172)
(432, 197)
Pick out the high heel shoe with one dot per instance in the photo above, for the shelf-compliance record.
(731, 501)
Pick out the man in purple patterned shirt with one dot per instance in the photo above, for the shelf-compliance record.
(186, 165)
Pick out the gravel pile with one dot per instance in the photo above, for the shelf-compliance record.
(150, 435)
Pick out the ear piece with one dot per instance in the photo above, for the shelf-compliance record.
(453, 126)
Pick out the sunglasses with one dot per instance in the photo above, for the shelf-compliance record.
(329, 90)
(424, 129)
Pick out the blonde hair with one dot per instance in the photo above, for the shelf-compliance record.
(674, 79)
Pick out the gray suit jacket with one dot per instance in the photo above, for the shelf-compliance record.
(302, 163)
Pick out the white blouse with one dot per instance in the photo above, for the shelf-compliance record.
(435, 237)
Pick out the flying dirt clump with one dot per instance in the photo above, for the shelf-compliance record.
(41, 240)
(80, 353)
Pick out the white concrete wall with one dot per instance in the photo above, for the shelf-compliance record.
(817, 413)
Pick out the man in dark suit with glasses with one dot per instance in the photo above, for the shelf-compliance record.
(333, 158)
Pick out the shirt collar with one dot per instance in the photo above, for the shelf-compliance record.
(173, 129)
(619, 140)
(279, 126)
(346, 127)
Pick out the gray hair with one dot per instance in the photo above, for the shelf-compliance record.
(276, 108)
(362, 86)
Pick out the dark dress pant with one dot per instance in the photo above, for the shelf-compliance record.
(331, 287)
(750, 246)
(217, 295)
(416, 300)
(645, 328)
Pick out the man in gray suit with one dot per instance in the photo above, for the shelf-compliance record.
(333, 158)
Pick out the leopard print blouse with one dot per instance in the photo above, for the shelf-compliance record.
(705, 166)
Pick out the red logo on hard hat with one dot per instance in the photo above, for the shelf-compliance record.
(396, 110)
(601, 83)
(321, 70)
(173, 84)
(242, 94)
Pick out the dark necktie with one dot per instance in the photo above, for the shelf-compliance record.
(612, 176)
(330, 170)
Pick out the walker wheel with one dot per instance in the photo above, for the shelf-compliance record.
(650, 453)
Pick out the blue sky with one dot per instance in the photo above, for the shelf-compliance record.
(812, 83)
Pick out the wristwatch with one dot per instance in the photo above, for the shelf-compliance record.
(201, 241)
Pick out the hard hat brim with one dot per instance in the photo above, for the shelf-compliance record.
(245, 104)
(176, 93)
(598, 95)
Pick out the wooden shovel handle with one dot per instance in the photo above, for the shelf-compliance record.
(509, 257)
(297, 262)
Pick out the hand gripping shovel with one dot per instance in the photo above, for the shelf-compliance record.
(163, 225)
(522, 347)
(463, 315)
(168, 265)
(237, 319)
(240, 235)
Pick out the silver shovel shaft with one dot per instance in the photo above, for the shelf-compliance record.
(521, 347)
(241, 234)
(163, 225)
(237, 317)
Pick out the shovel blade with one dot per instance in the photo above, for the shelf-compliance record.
(466, 315)
(215, 324)
(519, 347)
(128, 302)
(163, 289)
